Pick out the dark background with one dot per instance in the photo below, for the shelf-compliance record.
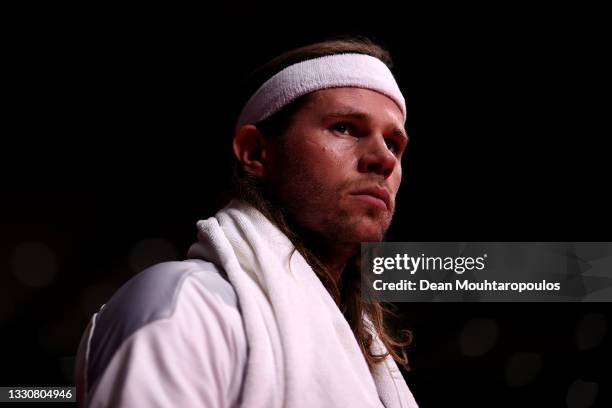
(116, 139)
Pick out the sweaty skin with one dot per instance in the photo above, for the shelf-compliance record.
(343, 140)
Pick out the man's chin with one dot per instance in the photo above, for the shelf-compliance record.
(369, 231)
(354, 228)
(378, 237)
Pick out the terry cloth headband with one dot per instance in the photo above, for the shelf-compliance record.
(331, 71)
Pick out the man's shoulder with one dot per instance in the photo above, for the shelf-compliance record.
(191, 296)
(153, 294)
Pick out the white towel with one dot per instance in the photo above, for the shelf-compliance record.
(301, 350)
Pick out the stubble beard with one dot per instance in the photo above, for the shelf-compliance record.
(319, 209)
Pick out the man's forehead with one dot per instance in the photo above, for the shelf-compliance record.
(358, 103)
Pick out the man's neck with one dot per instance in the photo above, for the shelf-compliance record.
(335, 257)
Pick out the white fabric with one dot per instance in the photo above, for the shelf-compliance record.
(332, 71)
(302, 352)
(194, 358)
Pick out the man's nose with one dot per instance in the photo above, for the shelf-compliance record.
(376, 157)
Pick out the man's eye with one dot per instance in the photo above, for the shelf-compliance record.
(392, 145)
(342, 127)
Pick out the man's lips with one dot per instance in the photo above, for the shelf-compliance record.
(375, 195)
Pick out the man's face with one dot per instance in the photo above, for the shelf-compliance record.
(337, 169)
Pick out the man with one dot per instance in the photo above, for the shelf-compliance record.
(268, 309)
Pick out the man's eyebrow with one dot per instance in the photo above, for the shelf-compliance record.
(347, 112)
(343, 113)
(401, 133)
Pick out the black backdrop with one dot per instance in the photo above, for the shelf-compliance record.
(116, 140)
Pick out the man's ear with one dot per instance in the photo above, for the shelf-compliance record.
(251, 149)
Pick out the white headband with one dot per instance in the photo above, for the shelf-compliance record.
(332, 71)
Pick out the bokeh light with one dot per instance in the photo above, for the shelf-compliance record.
(523, 368)
(591, 330)
(582, 394)
(478, 337)
(150, 251)
(34, 264)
